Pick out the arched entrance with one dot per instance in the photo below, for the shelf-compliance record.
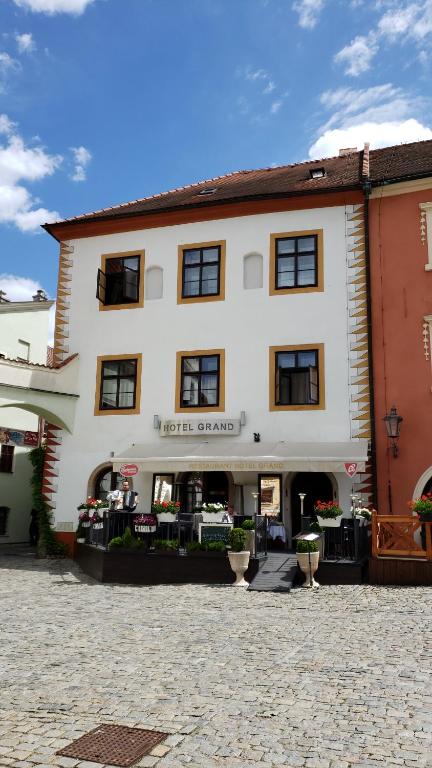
(103, 481)
(197, 488)
(316, 486)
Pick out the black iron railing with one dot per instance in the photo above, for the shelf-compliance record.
(350, 541)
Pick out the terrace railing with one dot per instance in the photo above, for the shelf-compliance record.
(401, 536)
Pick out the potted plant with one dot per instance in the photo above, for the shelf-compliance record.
(308, 559)
(363, 515)
(166, 511)
(249, 527)
(145, 523)
(96, 521)
(89, 508)
(213, 513)
(80, 534)
(315, 527)
(238, 556)
(166, 546)
(423, 507)
(206, 548)
(329, 514)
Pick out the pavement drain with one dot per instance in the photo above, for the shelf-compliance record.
(114, 745)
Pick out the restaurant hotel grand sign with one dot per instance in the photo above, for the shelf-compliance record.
(183, 427)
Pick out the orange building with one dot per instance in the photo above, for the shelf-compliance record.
(400, 244)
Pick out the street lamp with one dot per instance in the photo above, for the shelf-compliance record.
(393, 422)
(302, 498)
(255, 495)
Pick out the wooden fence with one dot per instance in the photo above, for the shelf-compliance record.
(394, 536)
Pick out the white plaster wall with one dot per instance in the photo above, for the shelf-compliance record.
(30, 325)
(245, 325)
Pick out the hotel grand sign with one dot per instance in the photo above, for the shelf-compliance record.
(184, 427)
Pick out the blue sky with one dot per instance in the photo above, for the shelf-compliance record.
(105, 101)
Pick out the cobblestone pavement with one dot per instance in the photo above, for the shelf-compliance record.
(333, 679)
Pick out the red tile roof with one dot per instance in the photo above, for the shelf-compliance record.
(341, 173)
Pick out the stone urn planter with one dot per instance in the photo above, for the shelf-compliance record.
(308, 567)
(329, 522)
(239, 562)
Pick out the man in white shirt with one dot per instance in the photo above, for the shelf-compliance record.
(124, 502)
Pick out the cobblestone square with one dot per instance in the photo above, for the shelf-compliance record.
(336, 678)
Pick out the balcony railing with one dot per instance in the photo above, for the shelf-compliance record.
(401, 536)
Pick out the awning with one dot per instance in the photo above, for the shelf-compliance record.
(244, 457)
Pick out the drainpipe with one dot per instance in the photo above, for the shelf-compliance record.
(366, 191)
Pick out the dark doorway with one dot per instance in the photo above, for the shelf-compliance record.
(197, 488)
(316, 486)
(428, 487)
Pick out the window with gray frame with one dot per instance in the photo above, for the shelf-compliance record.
(296, 262)
(118, 384)
(201, 272)
(297, 378)
(200, 378)
(119, 284)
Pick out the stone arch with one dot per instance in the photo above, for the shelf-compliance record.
(252, 271)
(421, 482)
(154, 283)
(44, 413)
(91, 483)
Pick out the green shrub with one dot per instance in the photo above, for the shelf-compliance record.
(166, 544)
(127, 541)
(194, 546)
(237, 539)
(47, 545)
(248, 525)
(216, 546)
(315, 527)
(307, 546)
(116, 543)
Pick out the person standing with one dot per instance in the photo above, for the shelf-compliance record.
(124, 502)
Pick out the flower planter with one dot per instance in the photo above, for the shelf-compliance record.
(97, 526)
(213, 517)
(166, 517)
(329, 522)
(145, 528)
(86, 524)
(308, 567)
(424, 517)
(239, 562)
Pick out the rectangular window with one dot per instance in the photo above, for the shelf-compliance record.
(120, 280)
(297, 377)
(23, 350)
(296, 262)
(6, 458)
(200, 380)
(118, 384)
(201, 272)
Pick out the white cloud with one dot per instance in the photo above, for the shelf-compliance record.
(75, 7)
(8, 66)
(20, 163)
(19, 288)
(378, 134)
(82, 157)
(308, 12)
(358, 55)
(380, 103)
(275, 107)
(269, 87)
(400, 22)
(259, 74)
(25, 42)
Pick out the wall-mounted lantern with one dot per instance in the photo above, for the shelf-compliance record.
(393, 422)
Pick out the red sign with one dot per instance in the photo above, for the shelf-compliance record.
(351, 469)
(128, 470)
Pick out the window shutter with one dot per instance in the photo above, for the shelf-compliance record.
(101, 286)
(130, 284)
(313, 385)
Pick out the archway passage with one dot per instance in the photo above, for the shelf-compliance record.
(106, 481)
(316, 486)
(428, 487)
(199, 488)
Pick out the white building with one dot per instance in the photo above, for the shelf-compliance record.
(23, 340)
(228, 312)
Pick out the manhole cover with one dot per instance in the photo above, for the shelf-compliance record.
(113, 744)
